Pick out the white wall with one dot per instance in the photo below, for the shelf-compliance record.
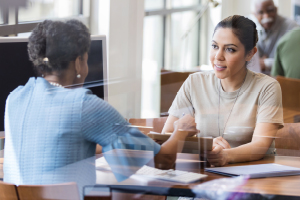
(125, 56)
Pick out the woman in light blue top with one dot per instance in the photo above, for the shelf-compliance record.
(52, 130)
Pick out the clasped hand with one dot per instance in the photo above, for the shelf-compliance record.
(218, 156)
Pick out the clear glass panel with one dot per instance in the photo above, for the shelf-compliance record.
(43, 9)
(152, 63)
(153, 39)
(154, 4)
(183, 3)
(1, 17)
(182, 46)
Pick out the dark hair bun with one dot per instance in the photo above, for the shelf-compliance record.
(60, 42)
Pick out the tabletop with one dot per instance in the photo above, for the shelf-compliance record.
(287, 186)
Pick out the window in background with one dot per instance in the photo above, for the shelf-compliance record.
(43, 9)
(21, 20)
(183, 46)
(153, 43)
(154, 4)
(169, 43)
(183, 3)
(173, 42)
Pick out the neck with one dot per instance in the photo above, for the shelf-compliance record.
(58, 79)
(233, 83)
(64, 78)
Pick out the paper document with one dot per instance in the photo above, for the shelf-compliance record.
(256, 171)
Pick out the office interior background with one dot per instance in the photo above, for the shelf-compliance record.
(143, 37)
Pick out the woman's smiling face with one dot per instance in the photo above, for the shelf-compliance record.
(227, 54)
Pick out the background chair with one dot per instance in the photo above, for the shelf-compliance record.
(287, 141)
(290, 98)
(170, 84)
(66, 191)
(8, 191)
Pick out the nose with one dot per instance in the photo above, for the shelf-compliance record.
(219, 55)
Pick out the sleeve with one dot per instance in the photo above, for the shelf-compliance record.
(277, 69)
(182, 103)
(270, 105)
(104, 125)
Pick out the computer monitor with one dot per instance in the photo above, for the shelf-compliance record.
(16, 68)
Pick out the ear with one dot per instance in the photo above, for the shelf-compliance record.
(251, 54)
(77, 65)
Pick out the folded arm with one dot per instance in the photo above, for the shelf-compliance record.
(262, 138)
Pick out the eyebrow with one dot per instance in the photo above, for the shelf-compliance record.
(226, 44)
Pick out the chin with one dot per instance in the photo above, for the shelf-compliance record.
(220, 75)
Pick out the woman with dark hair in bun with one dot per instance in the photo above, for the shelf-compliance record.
(52, 128)
(241, 109)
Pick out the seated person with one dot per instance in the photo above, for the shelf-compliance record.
(232, 97)
(287, 57)
(271, 27)
(52, 128)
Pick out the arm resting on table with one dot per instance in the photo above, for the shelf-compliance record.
(262, 139)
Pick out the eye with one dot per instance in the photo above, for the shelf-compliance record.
(230, 50)
(214, 46)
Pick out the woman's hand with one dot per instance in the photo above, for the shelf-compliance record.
(218, 156)
(221, 142)
(186, 125)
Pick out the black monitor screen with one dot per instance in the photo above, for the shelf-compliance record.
(16, 69)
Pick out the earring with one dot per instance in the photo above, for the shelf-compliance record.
(78, 76)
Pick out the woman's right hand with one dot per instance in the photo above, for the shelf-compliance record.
(221, 142)
(186, 125)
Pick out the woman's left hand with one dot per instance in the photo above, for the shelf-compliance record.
(221, 142)
(218, 156)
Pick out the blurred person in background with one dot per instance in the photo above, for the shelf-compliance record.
(287, 59)
(271, 27)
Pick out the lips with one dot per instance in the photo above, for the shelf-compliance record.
(220, 68)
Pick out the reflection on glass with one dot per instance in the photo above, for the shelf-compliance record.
(182, 50)
(152, 64)
(154, 4)
(184, 3)
(1, 17)
(42, 9)
(153, 40)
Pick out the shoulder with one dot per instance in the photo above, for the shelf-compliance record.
(201, 76)
(264, 82)
(288, 23)
(290, 36)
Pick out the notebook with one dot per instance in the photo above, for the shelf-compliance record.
(256, 171)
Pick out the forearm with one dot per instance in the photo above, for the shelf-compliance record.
(166, 157)
(174, 144)
(247, 152)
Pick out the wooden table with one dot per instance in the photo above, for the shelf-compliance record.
(287, 186)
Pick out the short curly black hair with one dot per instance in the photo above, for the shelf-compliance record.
(61, 42)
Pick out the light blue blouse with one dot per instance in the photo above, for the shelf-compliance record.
(51, 135)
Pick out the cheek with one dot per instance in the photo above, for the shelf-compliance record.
(236, 60)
